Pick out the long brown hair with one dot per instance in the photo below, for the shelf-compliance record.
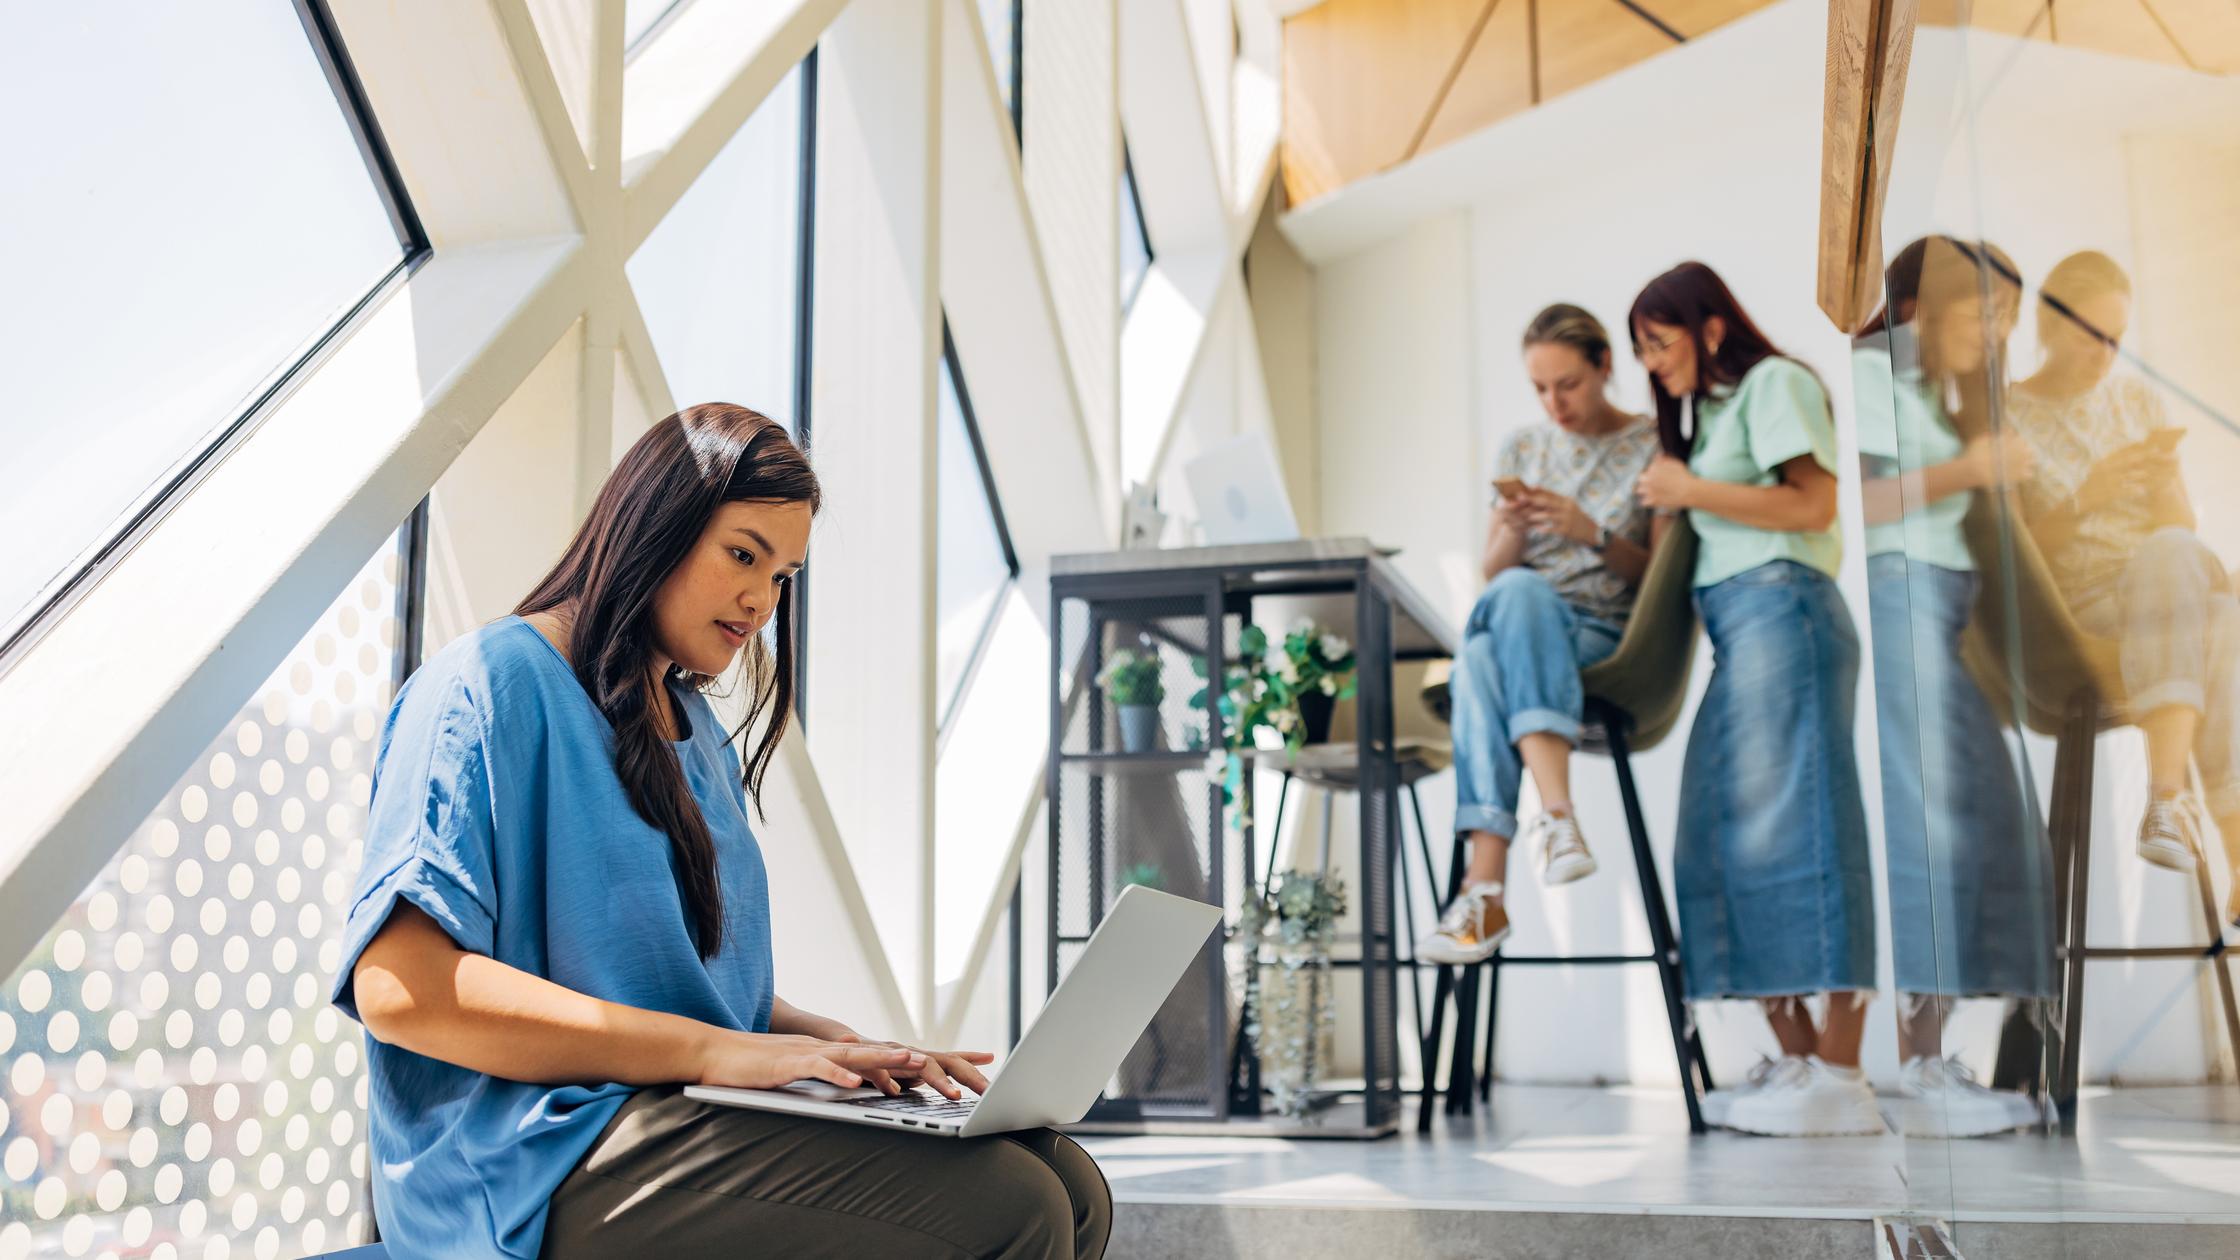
(1921, 282)
(648, 515)
(1686, 297)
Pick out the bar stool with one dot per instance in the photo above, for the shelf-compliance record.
(2071, 685)
(1634, 700)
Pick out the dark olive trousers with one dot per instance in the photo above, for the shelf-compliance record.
(673, 1178)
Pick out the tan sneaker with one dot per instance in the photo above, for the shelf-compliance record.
(1471, 929)
(2170, 832)
(1563, 851)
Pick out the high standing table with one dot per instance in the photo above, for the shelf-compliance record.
(1133, 801)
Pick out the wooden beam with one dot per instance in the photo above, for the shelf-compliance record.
(1870, 46)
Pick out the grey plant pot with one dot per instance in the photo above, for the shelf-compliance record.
(1139, 727)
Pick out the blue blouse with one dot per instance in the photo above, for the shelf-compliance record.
(497, 811)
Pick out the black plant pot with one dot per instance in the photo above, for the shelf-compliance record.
(1315, 709)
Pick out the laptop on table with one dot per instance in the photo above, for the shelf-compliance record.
(1131, 963)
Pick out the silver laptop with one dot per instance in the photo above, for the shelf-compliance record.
(1240, 493)
(1075, 1045)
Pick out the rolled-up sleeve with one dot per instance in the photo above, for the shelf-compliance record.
(430, 837)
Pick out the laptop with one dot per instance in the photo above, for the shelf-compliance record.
(1062, 1063)
(1240, 494)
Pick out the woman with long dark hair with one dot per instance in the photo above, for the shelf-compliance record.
(1770, 865)
(1971, 893)
(564, 917)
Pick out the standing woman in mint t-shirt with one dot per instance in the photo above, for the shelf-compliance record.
(1770, 865)
(564, 917)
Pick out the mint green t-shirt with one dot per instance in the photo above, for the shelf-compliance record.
(1903, 429)
(1743, 435)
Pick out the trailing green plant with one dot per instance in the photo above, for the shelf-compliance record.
(1288, 1009)
(1316, 660)
(1147, 874)
(1131, 677)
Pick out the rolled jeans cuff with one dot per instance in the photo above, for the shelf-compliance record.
(1544, 722)
(2182, 692)
(1489, 818)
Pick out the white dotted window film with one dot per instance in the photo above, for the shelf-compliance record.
(173, 1082)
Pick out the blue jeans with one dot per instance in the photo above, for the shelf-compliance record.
(1971, 889)
(1770, 866)
(1522, 651)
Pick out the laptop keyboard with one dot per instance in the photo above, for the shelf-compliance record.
(920, 1103)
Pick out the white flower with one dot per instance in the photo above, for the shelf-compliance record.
(1304, 625)
(1285, 719)
(1289, 670)
(1259, 688)
(1329, 685)
(1334, 647)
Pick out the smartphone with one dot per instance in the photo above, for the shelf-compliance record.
(1510, 487)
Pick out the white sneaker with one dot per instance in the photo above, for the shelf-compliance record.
(2170, 831)
(1944, 1100)
(1471, 929)
(1719, 1102)
(1563, 851)
(1819, 1101)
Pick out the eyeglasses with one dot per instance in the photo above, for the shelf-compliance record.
(1648, 346)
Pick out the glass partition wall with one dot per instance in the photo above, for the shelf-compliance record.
(2045, 424)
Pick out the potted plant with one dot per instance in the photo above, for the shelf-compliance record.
(1131, 681)
(1319, 668)
(1288, 1013)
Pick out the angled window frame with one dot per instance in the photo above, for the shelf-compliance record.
(1143, 230)
(22, 631)
(804, 357)
(952, 704)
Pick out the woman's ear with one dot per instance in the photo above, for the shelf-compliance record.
(1714, 332)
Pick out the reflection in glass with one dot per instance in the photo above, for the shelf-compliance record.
(1970, 894)
(716, 278)
(187, 245)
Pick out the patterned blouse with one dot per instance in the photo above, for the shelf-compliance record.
(1598, 474)
(2068, 437)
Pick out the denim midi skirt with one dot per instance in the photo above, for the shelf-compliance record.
(1771, 866)
(1970, 875)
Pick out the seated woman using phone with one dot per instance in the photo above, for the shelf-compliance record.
(2109, 510)
(1566, 545)
(564, 917)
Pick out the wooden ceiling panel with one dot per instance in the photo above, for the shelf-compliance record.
(2209, 31)
(1359, 78)
(1695, 18)
(1494, 83)
(1585, 40)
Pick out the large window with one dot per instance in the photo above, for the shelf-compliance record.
(973, 555)
(1001, 22)
(642, 19)
(173, 1081)
(1135, 239)
(718, 279)
(209, 205)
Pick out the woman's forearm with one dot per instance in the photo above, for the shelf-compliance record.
(1784, 507)
(1887, 500)
(785, 1017)
(1504, 550)
(418, 990)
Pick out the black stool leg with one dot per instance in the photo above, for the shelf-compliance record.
(2078, 823)
(1462, 1067)
(1441, 992)
(2216, 955)
(1686, 1047)
(1399, 857)
(1493, 1015)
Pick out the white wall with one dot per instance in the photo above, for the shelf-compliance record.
(1426, 276)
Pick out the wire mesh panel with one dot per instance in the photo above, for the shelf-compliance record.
(1135, 800)
(176, 1084)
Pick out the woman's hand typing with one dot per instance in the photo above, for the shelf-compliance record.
(945, 1070)
(746, 1060)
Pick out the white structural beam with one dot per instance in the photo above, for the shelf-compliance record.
(876, 348)
(115, 700)
(1178, 176)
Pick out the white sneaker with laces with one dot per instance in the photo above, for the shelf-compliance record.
(1563, 851)
(1471, 929)
(1818, 1101)
(1944, 1100)
(2170, 831)
(1719, 1102)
